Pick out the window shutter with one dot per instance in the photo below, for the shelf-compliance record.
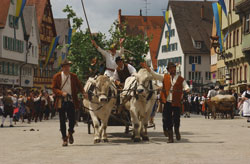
(190, 60)
(199, 59)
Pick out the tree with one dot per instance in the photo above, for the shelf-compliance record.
(82, 53)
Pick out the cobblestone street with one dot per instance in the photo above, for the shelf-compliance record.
(203, 141)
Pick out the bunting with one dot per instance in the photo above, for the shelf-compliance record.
(166, 18)
(19, 8)
(218, 21)
(52, 48)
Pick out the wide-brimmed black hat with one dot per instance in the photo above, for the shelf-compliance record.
(171, 64)
(66, 62)
(118, 59)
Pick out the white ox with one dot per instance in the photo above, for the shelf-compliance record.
(141, 91)
(100, 104)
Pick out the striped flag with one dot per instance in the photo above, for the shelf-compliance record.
(218, 21)
(19, 8)
(166, 17)
(52, 48)
(223, 6)
(71, 33)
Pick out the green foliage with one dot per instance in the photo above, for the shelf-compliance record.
(82, 52)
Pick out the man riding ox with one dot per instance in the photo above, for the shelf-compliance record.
(122, 72)
(171, 96)
(101, 94)
(142, 95)
(110, 57)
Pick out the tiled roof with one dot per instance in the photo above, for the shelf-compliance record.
(4, 9)
(152, 25)
(187, 17)
(40, 7)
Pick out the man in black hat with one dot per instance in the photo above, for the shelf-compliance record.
(66, 86)
(123, 71)
(171, 96)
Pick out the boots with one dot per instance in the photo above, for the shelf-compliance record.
(65, 141)
(177, 134)
(170, 136)
(70, 137)
(166, 133)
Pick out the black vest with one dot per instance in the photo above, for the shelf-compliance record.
(123, 74)
(247, 95)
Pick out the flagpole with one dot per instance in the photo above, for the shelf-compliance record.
(86, 18)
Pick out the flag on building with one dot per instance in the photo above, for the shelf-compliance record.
(166, 18)
(223, 6)
(52, 48)
(19, 8)
(218, 21)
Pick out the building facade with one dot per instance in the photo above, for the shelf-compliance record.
(242, 8)
(235, 62)
(47, 32)
(16, 60)
(189, 45)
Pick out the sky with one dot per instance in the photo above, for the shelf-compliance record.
(102, 13)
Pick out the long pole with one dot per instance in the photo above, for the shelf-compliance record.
(86, 18)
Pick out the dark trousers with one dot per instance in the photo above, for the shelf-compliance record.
(69, 109)
(8, 110)
(170, 117)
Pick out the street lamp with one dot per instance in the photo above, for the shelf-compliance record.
(224, 55)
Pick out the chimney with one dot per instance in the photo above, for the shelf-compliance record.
(202, 12)
(140, 12)
(120, 16)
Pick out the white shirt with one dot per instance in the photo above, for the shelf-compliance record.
(67, 87)
(211, 93)
(110, 60)
(160, 77)
(131, 70)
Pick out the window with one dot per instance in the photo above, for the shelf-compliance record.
(194, 59)
(16, 70)
(32, 51)
(194, 76)
(240, 73)
(208, 75)
(230, 36)
(247, 23)
(233, 76)
(237, 75)
(1, 67)
(32, 30)
(237, 39)
(172, 32)
(227, 43)
(170, 20)
(5, 42)
(164, 48)
(198, 45)
(245, 73)
(234, 33)
(166, 34)
(36, 51)
(12, 21)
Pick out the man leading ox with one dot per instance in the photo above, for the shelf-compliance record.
(171, 95)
